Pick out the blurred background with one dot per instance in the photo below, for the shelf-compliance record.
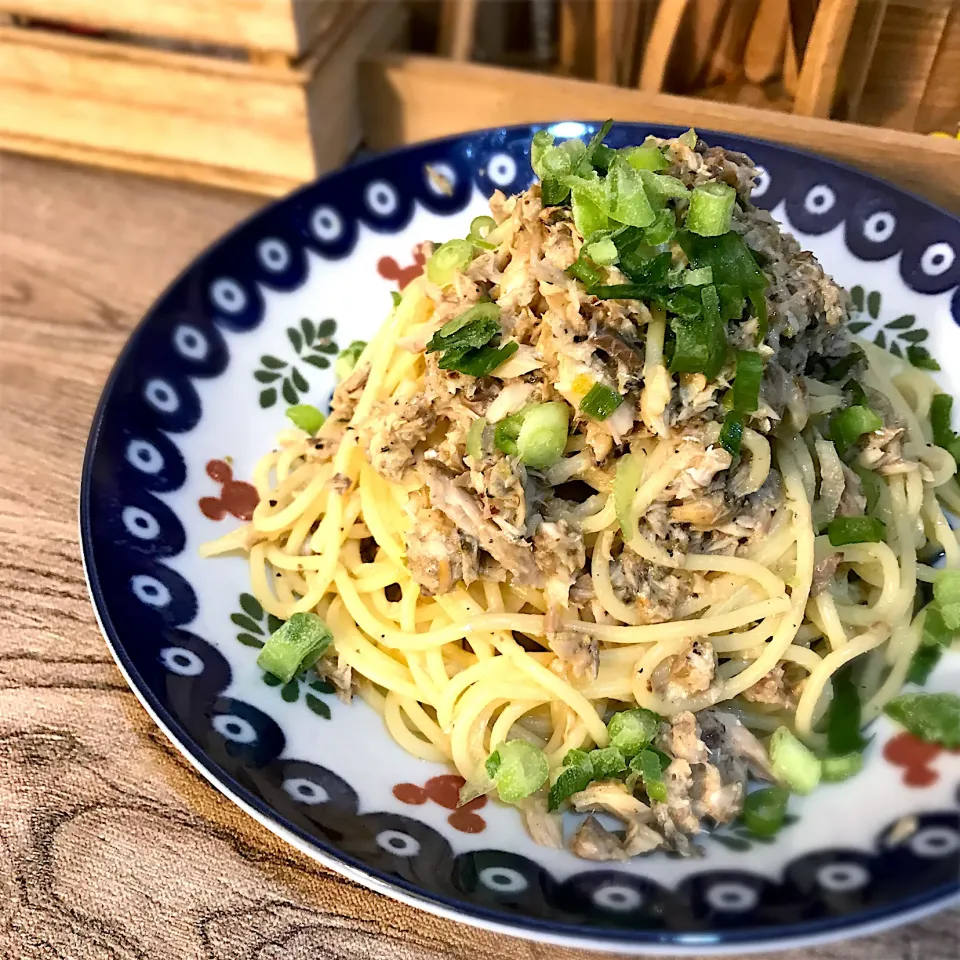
(265, 94)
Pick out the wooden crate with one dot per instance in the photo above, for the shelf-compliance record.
(409, 98)
(256, 120)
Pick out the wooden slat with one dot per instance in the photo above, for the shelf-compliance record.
(860, 51)
(656, 54)
(903, 61)
(940, 106)
(576, 31)
(817, 82)
(763, 58)
(699, 33)
(284, 25)
(417, 98)
(458, 28)
(604, 41)
(726, 63)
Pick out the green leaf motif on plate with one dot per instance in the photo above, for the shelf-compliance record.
(894, 335)
(312, 343)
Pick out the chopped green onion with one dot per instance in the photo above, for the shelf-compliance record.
(701, 345)
(835, 769)
(553, 192)
(607, 762)
(689, 139)
(922, 664)
(395, 297)
(596, 141)
(479, 311)
(698, 277)
(632, 730)
(543, 434)
(764, 811)
(603, 252)
(581, 270)
(933, 717)
(662, 230)
(481, 226)
(935, 632)
(576, 756)
(711, 209)
(851, 424)
(347, 359)
(946, 590)
(732, 260)
(541, 143)
(603, 157)
(746, 384)
(587, 204)
(941, 408)
(626, 199)
(732, 301)
(731, 433)
(475, 438)
(448, 260)
(759, 303)
(661, 188)
(647, 764)
(845, 530)
(307, 417)
(920, 357)
(626, 482)
(872, 487)
(518, 768)
(506, 433)
(576, 776)
(600, 402)
(844, 716)
(483, 361)
(647, 157)
(296, 645)
(792, 762)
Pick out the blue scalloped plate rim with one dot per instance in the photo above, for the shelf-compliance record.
(879, 194)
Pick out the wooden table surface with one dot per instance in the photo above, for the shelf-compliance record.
(111, 846)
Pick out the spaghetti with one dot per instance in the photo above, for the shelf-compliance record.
(474, 599)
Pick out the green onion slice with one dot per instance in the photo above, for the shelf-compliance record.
(295, 646)
(844, 530)
(625, 198)
(746, 384)
(481, 226)
(600, 401)
(711, 209)
(448, 260)
(844, 715)
(840, 768)
(626, 482)
(347, 359)
(518, 768)
(922, 664)
(543, 434)
(793, 763)
(475, 438)
(603, 252)
(576, 775)
(731, 433)
(933, 717)
(849, 425)
(764, 811)
(632, 730)
(588, 205)
(583, 271)
(306, 417)
(647, 157)
(483, 361)
(946, 591)
(647, 764)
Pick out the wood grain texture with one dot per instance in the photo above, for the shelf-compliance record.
(111, 847)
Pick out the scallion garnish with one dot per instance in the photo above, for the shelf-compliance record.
(946, 592)
(835, 769)
(537, 434)
(941, 408)
(764, 811)
(647, 157)
(844, 714)
(632, 730)
(922, 664)
(731, 433)
(626, 482)
(647, 764)
(625, 198)
(934, 717)
(845, 530)
(481, 226)
(306, 416)
(849, 425)
(711, 209)
(448, 260)
(701, 344)
(582, 270)
(475, 438)
(746, 384)
(576, 776)
(517, 768)
(600, 402)
(296, 645)
(607, 762)
(347, 359)
(603, 252)
(464, 342)
(395, 297)
(793, 763)
(588, 204)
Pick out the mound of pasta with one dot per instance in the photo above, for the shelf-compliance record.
(613, 514)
